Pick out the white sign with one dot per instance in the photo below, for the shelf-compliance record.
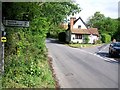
(16, 23)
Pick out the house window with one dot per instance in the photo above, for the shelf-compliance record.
(79, 26)
(78, 36)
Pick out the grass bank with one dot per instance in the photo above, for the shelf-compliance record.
(23, 73)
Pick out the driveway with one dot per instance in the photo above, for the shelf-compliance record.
(80, 68)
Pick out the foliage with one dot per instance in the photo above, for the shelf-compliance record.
(104, 24)
(25, 52)
(54, 33)
(117, 33)
(26, 61)
(62, 36)
(86, 38)
(22, 73)
(99, 41)
(97, 17)
(71, 42)
(106, 38)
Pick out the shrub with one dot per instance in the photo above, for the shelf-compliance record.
(71, 42)
(25, 58)
(62, 37)
(98, 41)
(86, 38)
(106, 38)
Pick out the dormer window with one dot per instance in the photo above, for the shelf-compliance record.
(79, 26)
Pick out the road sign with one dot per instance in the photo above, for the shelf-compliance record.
(16, 23)
(3, 39)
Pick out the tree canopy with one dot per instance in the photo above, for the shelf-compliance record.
(104, 24)
(54, 12)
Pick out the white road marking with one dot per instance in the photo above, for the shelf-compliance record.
(104, 48)
(104, 58)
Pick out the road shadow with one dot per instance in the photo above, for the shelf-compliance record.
(51, 40)
(116, 59)
(103, 54)
(104, 45)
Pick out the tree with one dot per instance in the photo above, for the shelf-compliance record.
(26, 53)
(106, 38)
(94, 20)
(104, 24)
(117, 33)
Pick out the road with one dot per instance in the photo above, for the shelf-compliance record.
(82, 68)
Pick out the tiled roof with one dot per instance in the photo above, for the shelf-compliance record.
(94, 31)
(85, 31)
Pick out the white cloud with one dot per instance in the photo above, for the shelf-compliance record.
(107, 7)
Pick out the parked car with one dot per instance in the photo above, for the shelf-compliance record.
(114, 49)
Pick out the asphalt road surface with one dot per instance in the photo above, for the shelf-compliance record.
(83, 68)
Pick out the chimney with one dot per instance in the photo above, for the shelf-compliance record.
(72, 19)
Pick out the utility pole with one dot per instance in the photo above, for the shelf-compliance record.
(2, 58)
(3, 40)
(1, 63)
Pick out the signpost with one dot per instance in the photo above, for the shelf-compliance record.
(2, 39)
(16, 23)
(10, 23)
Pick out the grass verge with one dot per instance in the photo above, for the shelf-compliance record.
(27, 72)
(82, 45)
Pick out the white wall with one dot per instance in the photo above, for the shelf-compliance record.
(75, 40)
(79, 22)
(92, 38)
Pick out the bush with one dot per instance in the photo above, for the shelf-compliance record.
(71, 42)
(86, 38)
(98, 41)
(106, 38)
(62, 37)
(26, 64)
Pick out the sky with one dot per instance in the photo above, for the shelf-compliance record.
(107, 7)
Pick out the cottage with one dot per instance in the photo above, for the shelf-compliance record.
(78, 30)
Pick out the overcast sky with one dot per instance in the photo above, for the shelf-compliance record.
(107, 7)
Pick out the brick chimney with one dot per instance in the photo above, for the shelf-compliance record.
(72, 19)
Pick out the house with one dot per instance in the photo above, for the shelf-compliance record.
(78, 30)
